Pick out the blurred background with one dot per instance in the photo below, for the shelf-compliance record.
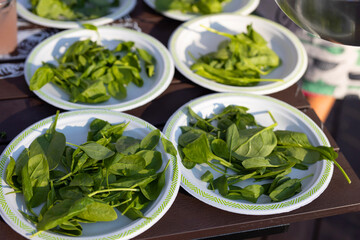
(343, 123)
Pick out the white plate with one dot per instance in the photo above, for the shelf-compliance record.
(243, 7)
(191, 37)
(23, 6)
(75, 125)
(288, 118)
(56, 45)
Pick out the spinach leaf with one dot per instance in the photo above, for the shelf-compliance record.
(285, 189)
(42, 76)
(21, 162)
(127, 145)
(95, 150)
(51, 198)
(256, 142)
(257, 162)
(133, 209)
(200, 122)
(149, 61)
(151, 140)
(35, 176)
(10, 173)
(169, 147)
(134, 180)
(221, 149)
(191, 6)
(287, 140)
(71, 10)
(153, 160)
(82, 180)
(190, 134)
(153, 189)
(128, 165)
(98, 211)
(250, 193)
(51, 145)
(63, 211)
(71, 192)
(221, 185)
(207, 177)
(70, 228)
(198, 151)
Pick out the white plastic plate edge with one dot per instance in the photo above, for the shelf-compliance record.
(324, 168)
(17, 222)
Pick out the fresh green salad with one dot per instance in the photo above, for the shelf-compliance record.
(240, 60)
(233, 144)
(71, 10)
(191, 6)
(92, 73)
(85, 183)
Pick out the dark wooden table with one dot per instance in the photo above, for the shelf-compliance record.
(188, 218)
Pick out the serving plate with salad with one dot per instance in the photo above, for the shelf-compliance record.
(80, 186)
(267, 172)
(184, 10)
(106, 67)
(254, 54)
(58, 14)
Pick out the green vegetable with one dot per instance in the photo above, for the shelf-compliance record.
(89, 72)
(286, 189)
(72, 10)
(63, 211)
(250, 193)
(234, 145)
(90, 27)
(191, 6)
(207, 176)
(239, 61)
(51, 145)
(35, 179)
(88, 183)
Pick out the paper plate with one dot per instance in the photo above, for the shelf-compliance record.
(23, 6)
(243, 7)
(75, 126)
(288, 118)
(190, 37)
(56, 45)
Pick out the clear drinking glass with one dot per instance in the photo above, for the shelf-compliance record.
(333, 20)
(8, 26)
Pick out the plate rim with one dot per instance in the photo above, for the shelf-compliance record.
(292, 78)
(160, 87)
(137, 227)
(248, 208)
(176, 15)
(23, 12)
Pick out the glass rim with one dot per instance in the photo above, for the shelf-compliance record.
(5, 3)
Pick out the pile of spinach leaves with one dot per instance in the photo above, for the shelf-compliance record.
(70, 10)
(91, 73)
(240, 60)
(191, 6)
(234, 145)
(86, 183)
